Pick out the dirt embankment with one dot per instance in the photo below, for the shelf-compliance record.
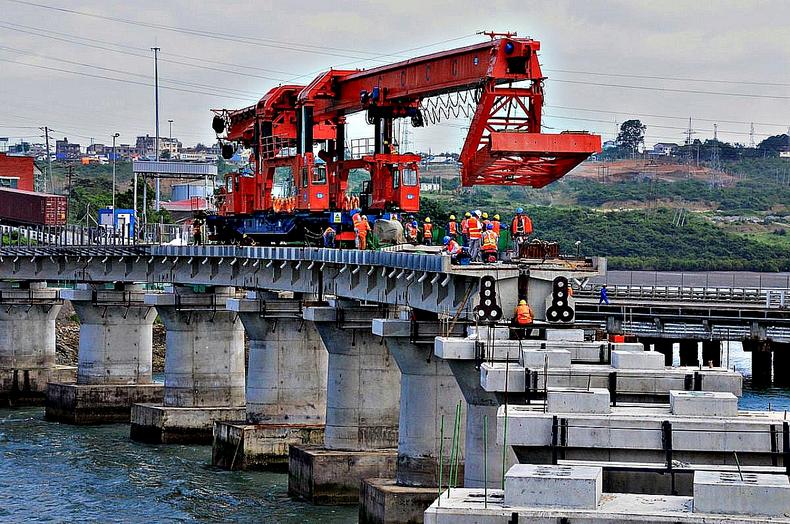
(67, 343)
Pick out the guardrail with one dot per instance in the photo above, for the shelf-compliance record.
(77, 235)
(771, 298)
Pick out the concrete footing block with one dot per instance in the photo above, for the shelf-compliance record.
(529, 485)
(703, 403)
(572, 400)
(383, 501)
(754, 494)
(637, 360)
(159, 424)
(243, 446)
(28, 387)
(99, 403)
(568, 335)
(333, 477)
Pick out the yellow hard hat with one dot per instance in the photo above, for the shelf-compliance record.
(427, 220)
(452, 217)
(522, 302)
(485, 215)
(468, 214)
(496, 217)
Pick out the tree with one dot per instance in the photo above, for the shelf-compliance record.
(774, 144)
(632, 135)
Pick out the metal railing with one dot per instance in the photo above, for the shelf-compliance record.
(771, 298)
(78, 235)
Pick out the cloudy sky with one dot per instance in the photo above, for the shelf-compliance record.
(85, 68)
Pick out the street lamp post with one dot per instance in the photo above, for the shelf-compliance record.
(114, 136)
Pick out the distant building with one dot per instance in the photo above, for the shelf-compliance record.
(146, 146)
(784, 154)
(609, 144)
(664, 148)
(18, 172)
(97, 149)
(64, 150)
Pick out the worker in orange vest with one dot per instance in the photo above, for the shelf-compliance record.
(427, 232)
(329, 237)
(524, 317)
(465, 228)
(475, 234)
(411, 231)
(452, 228)
(497, 225)
(489, 244)
(356, 218)
(362, 233)
(521, 227)
(454, 249)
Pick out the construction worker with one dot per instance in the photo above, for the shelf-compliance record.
(475, 234)
(497, 225)
(197, 231)
(329, 237)
(604, 296)
(485, 221)
(411, 231)
(524, 314)
(356, 218)
(489, 244)
(465, 228)
(521, 228)
(362, 233)
(427, 232)
(452, 228)
(454, 249)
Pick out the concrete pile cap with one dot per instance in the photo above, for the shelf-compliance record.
(530, 485)
(733, 494)
(703, 403)
(637, 360)
(539, 358)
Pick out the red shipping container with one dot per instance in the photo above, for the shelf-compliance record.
(30, 207)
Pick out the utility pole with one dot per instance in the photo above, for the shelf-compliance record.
(114, 136)
(689, 153)
(751, 136)
(156, 98)
(714, 161)
(68, 194)
(45, 129)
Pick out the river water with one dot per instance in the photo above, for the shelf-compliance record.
(53, 472)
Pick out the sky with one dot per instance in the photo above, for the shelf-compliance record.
(725, 62)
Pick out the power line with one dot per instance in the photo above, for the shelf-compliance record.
(665, 89)
(669, 78)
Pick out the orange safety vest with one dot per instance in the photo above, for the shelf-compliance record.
(497, 226)
(465, 226)
(524, 315)
(427, 230)
(522, 224)
(363, 227)
(452, 227)
(357, 218)
(411, 231)
(475, 231)
(453, 247)
(489, 240)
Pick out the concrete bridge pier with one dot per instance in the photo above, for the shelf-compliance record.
(689, 352)
(286, 385)
(363, 395)
(761, 360)
(711, 352)
(484, 457)
(666, 348)
(114, 368)
(781, 351)
(27, 343)
(204, 368)
(428, 392)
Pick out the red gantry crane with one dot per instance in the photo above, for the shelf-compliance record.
(292, 192)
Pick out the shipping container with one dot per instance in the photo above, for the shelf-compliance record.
(30, 207)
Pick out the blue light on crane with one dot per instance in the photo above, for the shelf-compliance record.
(509, 48)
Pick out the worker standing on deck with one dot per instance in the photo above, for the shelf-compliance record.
(475, 234)
(486, 221)
(427, 232)
(489, 244)
(411, 231)
(497, 225)
(465, 228)
(356, 218)
(197, 231)
(604, 296)
(521, 228)
(452, 228)
(329, 237)
(362, 233)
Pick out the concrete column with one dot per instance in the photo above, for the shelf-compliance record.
(116, 336)
(428, 392)
(27, 342)
(666, 348)
(114, 369)
(204, 368)
(781, 351)
(689, 352)
(761, 360)
(711, 352)
(480, 404)
(204, 362)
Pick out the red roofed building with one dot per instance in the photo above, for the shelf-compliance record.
(17, 172)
